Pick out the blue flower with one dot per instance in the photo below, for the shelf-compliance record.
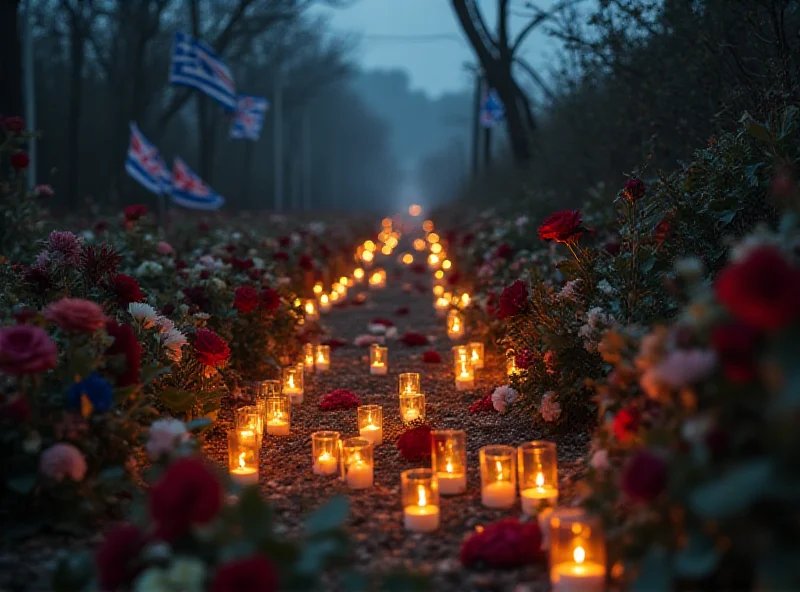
(93, 393)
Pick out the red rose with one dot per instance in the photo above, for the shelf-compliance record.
(339, 399)
(125, 345)
(126, 289)
(503, 544)
(491, 304)
(523, 359)
(504, 251)
(735, 344)
(482, 405)
(281, 256)
(644, 477)
(188, 494)
(117, 558)
(210, 348)
(270, 299)
(513, 300)
(634, 189)
(334, 343)
(562, 227)
(26, 349)
(76, 315)
(135, 212)
(415, 444)
(14, 124)
(241, 264)
(626, 423)
(17, 410)
(20, 160)
(253, 574)
(762, 290)
(305, 262)
(402, 311)
(413, 339)
(245, 299)
(431, 357)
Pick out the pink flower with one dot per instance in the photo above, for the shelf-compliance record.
(44, 191)
(599, 460)
(26, 349)
(685, 367)
(164, 248)
(165, 436)
(364, 340)
(76, 315)
(550, 408)
(63, 460)
(65, 245)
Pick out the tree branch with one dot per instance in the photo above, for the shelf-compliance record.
(541, 17)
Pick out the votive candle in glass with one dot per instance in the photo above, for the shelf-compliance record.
(377, 280)
(465, 374)
(278, 411)
(264, 390)
(318, 288)
(370, 423)
(242, 459)
(476, 354)
(293, 383)
(324, 303)
(441, 305)
(538, 475)
(498, 476)
(249, 422)
(378, 359)
(455, 325)
(412, 407)
(308, 357)
(577, 551)
(433, 261)
(511, 364)
(449, 460)
(357, 462)
(322, 358)
(358, 275)
(310, 308)
(325, 453)
(408, 383)
(420, 496)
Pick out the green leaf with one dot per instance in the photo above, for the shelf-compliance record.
(315, 554)
(654, 573)
(153, 371)
(329, 517)
(73, 572)
(177, 400)
(734, 491)
(199, 425)
(698, 559)
(405, 582)
(727, 217)
(22, 484)
(353, 581)
(256, 515)
(759, 131)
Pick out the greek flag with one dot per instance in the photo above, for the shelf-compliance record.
(144, 164)
(196, 65)
(189, 190)
(492, 110)
(249, 118)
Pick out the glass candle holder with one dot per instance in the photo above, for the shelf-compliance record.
(357, 463)
(412, 407)
(449, 460)
(376, 280)
(318, 289)
(308, 357)
(577, 551)
(333, 297)
(370, 423)
(345, 281)
(460, 353)
(322, 358)
(340, 289)
(464, 300)
(324, 303)
(249, 422)
(455, 325)
(358, 275)
(511, 364)
(433, 261)
(464, 373)
(538, 475)
(278, 414)
(438, 290)
(420, 497)
(498, 476)
(293, 383)
(408, 383)
(242, 459)
(325, 453)
(310, 308)
(476, 354)
(378, 359)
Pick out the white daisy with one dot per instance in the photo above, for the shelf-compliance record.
(144, 314)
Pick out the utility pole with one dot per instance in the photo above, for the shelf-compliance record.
(30, 98)
(306, 159)
(277, 104)
(476, 123)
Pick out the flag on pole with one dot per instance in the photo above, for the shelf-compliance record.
(492, 110)
(196, 65)
(144, 164)
(189, 190)
(249, 117)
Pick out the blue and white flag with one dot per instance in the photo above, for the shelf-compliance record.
(249, 118)
(144, 164)
(196, 65)
(189, 190)
(492, 110)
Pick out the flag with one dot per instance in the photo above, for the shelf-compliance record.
(249, 117)
(144, 164)
(189, 190)
(492, 110)
(196, 65)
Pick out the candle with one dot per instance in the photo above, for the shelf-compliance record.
(408, 383)
(277, 427)
(449, 460)
(322, 359)
(242, 459)
(326, 464)
(455, 325)
(325, 453)
(538, 475)
(420, 498)
(358, 463)
(379, 359)
(359, 475)
(370, 423)
(577, 551)
(451, 483)
(476, 354)
(324, 303)
(358, 274)
(318, 289)
(498, 476)
(579, 575)
(532, 497)
(511, 365)
(310, 308)
(308, 357)
(249, 423)
(278, 409)
(411, 415)
(293, 383)
(465, 375)
(244, 475)
(412, 407)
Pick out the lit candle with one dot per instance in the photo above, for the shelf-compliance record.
(242, 459)
(370, 423)
(325, 453)
(420, 500)
(476, 354)
(324, 303)
(455, 325)
(498, 476)
(379, 359)
(578, 575)
(533, 496)
(308, 357)
(358, 463)
(441, 305)
(358, 274)
(433, 261)
(278, 414)
(249, 423)
(310, 308)
(317, 289)
(376, 281)
(293, 383)
(465, 377)
(322, 360)
(511, 365)
(277, 425)
(244, 475)
(449, 460)
(412, 407)
(577, 552)
(538, 475)
(408, 383)
(326, 464)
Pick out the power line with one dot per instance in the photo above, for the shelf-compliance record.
(416, 38)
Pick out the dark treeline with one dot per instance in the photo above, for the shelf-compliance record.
(102, 63)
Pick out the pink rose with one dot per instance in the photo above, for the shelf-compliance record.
(76, 315)
(63, 460)
(26, 349)
(164, 248)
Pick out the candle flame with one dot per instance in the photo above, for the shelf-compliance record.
(242, 464)
(475, 356)
(449, 466)
(310, 307)
(291, 381)
(464, 372)
(465, 299)
(321, 358)
(324, 299)
(456, 325)
(539, 480)
(325, 456)
(423, 498)
(499, 466)
(579, 554)
(358, 273)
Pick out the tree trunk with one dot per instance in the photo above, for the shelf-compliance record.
(10, 59)
(77, 45)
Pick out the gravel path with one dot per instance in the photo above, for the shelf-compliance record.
(375, 524)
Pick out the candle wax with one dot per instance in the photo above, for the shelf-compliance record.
(533, 497)
(378, 369)
(501, 494)
(321, 366)
(411, 415)
(578, 577)
(451, 483)
(277, 427)
(465, 384)
(295, 395)
(359, 475)
(244, 476)
(372, 433)
(421, 518)
(326, 464)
